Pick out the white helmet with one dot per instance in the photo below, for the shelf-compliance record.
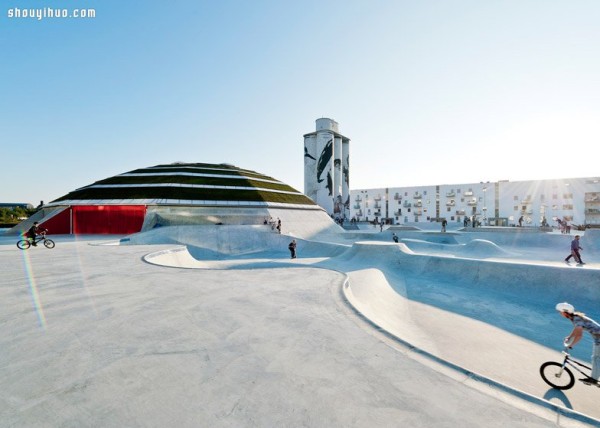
(565, 307)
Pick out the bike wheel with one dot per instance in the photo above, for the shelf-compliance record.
(48, 243)
(556, 376)
(23, 244)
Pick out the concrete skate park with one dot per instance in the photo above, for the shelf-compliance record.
(217, 326)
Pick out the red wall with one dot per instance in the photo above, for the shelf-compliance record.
(97, 219)
(60, 224)
(108, 219)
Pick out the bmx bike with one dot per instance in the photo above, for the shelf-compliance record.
(559, 376)
(24, 244)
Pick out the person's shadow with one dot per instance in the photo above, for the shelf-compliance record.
(553, 393)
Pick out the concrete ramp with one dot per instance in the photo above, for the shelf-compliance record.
(40, 216)
(227, 242)
(477, 248)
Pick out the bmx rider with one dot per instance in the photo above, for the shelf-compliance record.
(582, 322)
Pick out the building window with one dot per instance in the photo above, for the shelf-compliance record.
(515, 198)
(567, 207)
(516, 208)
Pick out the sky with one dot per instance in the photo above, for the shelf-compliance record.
(429, 92)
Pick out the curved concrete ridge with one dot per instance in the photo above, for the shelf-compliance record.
(433, 334)
(178, 257)
(382, 289)
(477, 248)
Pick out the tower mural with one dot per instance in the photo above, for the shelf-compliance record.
(327, 168)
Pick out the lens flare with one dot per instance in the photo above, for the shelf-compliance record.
(33, 290)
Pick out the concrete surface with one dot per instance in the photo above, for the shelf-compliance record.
(365, 334)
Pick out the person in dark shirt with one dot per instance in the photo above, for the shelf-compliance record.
(292, 248)
(33, 232)
(575, 251)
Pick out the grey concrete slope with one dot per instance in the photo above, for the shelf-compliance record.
(494, 319)
(93, 336)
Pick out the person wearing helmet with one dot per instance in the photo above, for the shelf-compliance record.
(582, 322)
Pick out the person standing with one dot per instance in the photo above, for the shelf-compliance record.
(292, 248)
(521, 221)
(575, 251)
(395, 237)
(581, 322)
(444, 223)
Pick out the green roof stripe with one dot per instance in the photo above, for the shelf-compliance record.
(185, 193)
(183, 179)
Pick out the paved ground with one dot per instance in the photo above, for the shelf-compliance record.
(94, 336)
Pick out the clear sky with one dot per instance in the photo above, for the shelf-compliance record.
(429, 92)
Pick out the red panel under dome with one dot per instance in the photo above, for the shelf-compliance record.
(108, 219)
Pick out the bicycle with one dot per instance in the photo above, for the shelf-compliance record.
(559, 376)
(24, 244)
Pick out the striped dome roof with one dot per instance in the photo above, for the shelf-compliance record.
(189, 184)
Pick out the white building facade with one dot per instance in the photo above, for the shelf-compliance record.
(503, 203)
(327, 168)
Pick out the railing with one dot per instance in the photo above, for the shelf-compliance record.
(468, 193)
(450, 195)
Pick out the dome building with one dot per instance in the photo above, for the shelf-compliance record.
(178, 194)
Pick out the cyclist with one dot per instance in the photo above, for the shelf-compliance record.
(582, 322)
(33, 231)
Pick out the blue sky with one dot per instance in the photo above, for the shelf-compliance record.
(429, 92)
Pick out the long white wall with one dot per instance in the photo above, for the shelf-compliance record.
(576, 200)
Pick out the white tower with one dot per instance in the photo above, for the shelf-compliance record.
(327, 168)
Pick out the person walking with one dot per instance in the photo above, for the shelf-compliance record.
(582, 323)
(575, 251)
(292, 248)
(444, 223)
(395, 237)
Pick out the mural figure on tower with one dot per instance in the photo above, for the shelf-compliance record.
(326, 168)
(324, 160)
